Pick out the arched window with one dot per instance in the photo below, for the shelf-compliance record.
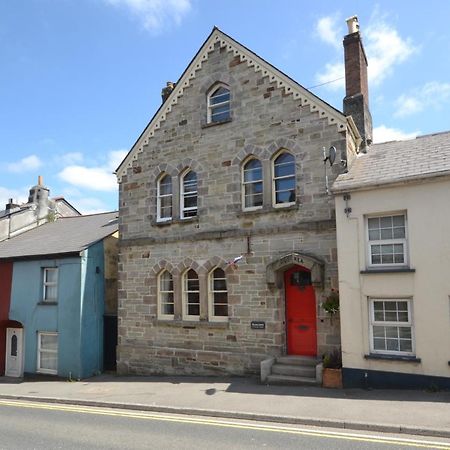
(188, 194)
(219, 104)
(191, 295)
(284, 179)
(165, 295)
(218, 295)
(252, 184)
(164, 198)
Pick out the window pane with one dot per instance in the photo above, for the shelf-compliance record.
(220, 95)
(220, 285)
(165, 185)
(193, 309)
(49, 342)
(399, 233)
(285, 197)
(379, 344)
(386, 233)
(378, 332)
(284, 170)
(166, 282)
(48, 361)
(220, 297)
(373, 223)
(50, 292)
(221, 310)
(392, 345)
(379, 316)
(51, 276)
(255, 200)
(374, 235)
(167, 308)
(398, 221)
(190, 201)
(391, 332)
(386, 222)
(220, 117)
(405, 345)
(405, 332)
(166, 297)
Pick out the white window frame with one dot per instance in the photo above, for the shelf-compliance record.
(46, 284)
(403, 241)
(274, 180)
(184, 209)
(210, 106)
(211, 292)
(246, 183)
(161, 314)
(41, 350)
(185, 295)
(408, 324)
(159, 196)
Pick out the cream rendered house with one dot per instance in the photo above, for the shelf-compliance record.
(393, 233)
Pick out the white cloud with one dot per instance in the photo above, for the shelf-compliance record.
(26, 164)
(97, 178)
(70, 158)
(155, 14)
(431, 95)
(384, 48)
(385, 134)
(328, 31)
(17, 196)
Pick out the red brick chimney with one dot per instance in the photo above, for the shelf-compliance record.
(356, 101)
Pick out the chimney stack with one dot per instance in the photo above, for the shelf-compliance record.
(166, 91)
(356, 101)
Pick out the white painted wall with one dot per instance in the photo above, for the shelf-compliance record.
(427, 206)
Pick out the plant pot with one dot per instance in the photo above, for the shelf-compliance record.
(332, 378)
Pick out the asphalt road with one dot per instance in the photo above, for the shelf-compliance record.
(27, 425)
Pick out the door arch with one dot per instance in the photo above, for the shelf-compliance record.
(301, 316)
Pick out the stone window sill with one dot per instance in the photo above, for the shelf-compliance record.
(405, 358)
(213, 124)
(268, 210)
(388, 270)
(47, 303)
(192, 324)
(173, 221)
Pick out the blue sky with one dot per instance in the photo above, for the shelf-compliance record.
(80, 79)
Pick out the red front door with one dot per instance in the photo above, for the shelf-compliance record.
(301, 322)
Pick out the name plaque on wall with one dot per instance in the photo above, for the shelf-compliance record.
(257, 325)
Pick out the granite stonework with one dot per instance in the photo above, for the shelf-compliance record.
(264, 119)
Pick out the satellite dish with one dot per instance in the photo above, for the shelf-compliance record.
(332, 155)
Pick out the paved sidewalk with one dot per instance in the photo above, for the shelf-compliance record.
(412, 412)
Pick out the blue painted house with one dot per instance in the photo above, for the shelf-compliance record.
(58, 296)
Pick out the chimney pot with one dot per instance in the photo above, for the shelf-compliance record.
(40, 181)
(352, 24)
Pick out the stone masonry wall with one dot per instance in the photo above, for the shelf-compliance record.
(264, 120)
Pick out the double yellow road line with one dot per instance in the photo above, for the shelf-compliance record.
(243, 425)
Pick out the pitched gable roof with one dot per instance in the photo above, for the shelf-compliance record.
(259, 65)
(398, 162)
(64, 236)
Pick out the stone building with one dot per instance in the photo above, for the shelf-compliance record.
(227, 229)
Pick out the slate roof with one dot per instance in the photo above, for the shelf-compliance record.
(66, 235)
(398, 161)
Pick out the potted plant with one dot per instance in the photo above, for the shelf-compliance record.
(331, 303)
(332, 369)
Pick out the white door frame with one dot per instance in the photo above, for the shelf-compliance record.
(14, 362)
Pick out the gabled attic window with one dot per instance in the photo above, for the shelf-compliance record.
(219, 104)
